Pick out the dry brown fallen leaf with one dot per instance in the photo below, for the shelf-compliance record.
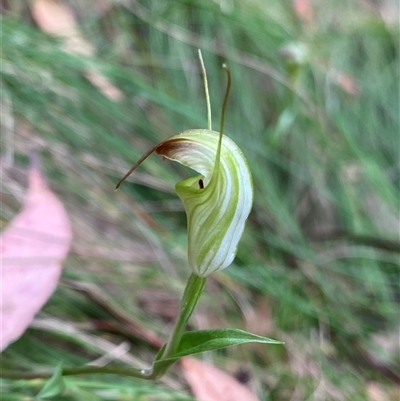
(208, 383)
(56, 19)
(32, 248)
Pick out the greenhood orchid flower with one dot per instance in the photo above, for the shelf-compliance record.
(217, 201)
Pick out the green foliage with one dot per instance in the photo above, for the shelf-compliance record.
(322, 143)
(194, 342)
(54, 387)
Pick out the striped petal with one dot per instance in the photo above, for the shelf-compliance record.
(217, 202)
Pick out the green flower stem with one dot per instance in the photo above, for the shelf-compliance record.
(193, 290)
(191, 296)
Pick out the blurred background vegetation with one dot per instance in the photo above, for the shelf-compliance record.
(315, 109)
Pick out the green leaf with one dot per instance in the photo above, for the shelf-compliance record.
(55, 386)
(194, 342)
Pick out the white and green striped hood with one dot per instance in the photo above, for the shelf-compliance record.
(217, 202)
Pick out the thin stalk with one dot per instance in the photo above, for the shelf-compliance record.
(203, 70)
(191, 296)
(84, 370)
(225, 103)
(222, 125)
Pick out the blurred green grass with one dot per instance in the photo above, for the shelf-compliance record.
(319, 259)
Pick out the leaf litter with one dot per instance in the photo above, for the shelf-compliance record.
(32, 249)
